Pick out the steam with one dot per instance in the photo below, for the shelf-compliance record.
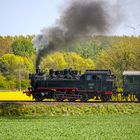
(80, 19)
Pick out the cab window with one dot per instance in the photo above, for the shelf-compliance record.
(97, 77)
(88, 77)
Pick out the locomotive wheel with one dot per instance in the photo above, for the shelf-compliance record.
(138, 97)
(71, 100)
(59, 99)
(38, 98)
(105, 98)
(84, 98)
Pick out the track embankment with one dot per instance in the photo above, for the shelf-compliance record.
(49, 108)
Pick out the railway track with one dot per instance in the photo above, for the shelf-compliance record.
(65, 102)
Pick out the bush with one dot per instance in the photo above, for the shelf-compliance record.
(44, 110)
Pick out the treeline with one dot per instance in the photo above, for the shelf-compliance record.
(17, 57)
(16, 61)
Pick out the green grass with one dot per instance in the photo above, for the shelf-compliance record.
(91, 127)
(67, 110)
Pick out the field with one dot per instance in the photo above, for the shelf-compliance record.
(13, 96)
(94, 127)
(67, 121)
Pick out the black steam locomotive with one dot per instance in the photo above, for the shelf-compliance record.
(72, 85)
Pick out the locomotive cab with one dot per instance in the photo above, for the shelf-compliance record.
(99, 83)
(100, 80)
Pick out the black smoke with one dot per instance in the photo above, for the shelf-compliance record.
(80, 19)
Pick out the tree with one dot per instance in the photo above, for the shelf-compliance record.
(10, 62)
(5, 83)
(15, 68)
(59, 60)
(123, 55)
(77, 62)
(2, 81)
(22, 46)
(5, 44)
(89, 48)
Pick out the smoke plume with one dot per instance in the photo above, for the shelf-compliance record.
(80, 19)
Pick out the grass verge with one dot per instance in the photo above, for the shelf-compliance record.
(66, 110)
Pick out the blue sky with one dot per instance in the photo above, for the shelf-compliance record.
(27, 16)
(22, 17)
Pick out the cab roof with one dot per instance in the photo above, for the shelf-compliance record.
(131, 73)
(107, 72)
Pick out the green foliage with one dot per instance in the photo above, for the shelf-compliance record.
(123, 55)
(17, 65)
(102, 127)
(117, 53)
(6, 83)
(23, 83)
(64, 60)
(43, 110)
(14, 67)
(2, 81)
(23, 47)
(5, 44)
(89, 49)
(10, 64)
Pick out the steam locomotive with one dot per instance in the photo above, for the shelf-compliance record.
(72, 85)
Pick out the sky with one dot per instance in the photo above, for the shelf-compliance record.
(27, 17)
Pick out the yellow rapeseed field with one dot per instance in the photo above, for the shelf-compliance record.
(15, 95)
